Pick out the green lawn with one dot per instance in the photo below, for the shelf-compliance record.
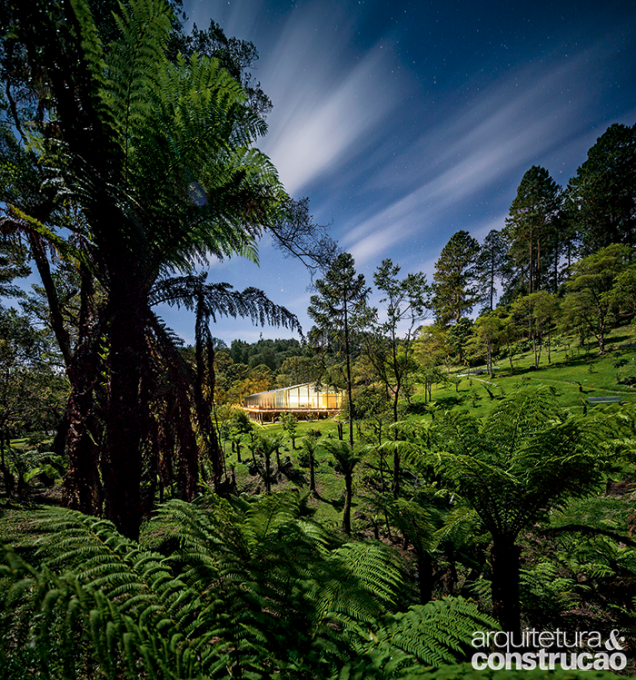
(568, 367)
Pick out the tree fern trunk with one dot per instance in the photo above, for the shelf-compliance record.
(7, 477)
(204, 353)
(449, 553)
(424, 576)
(396, 473)
(505, 583)
(121, 459)
(346, 512)
(268, 478)
(80, 430)
(82, 487)
(312, 473)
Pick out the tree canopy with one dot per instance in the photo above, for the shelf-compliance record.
(337, 310)
(602, 198)
(532, 226)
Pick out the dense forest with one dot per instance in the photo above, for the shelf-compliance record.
(478, 478)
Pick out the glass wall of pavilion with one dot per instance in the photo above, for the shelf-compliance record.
(308, 396)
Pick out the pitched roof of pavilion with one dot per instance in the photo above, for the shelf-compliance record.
(290, 387)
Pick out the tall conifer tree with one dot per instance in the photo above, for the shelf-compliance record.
(454, 279)
(341, 300)
(490, 265)
(602, 197)
(530, 227)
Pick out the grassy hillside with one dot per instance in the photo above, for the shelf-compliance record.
(576, 373)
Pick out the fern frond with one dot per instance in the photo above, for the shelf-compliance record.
(101, 559)
(437, 633)
(219, 299)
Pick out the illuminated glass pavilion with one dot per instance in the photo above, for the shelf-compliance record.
(306, 400)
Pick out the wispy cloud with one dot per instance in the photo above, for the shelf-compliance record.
(481, 148)
(330, 101)
(326, 106)
(340, 126)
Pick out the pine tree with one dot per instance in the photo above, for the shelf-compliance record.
(602, 197)
(490, 265)
(530, 227)
(337, 311)
(454, 289)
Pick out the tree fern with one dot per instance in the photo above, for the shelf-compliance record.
(154, 162)
(527, 458)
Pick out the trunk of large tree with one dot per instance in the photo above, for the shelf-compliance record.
(395, 408)
(396, 455)
(601, 334)
(505, 583)
(121, 457)
(538, 270)
(530, 267)
(348, 366)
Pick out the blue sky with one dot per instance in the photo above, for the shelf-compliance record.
(404, 122)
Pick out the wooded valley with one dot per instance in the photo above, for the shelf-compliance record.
(478, 477)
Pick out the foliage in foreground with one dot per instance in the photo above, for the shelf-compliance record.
(250, 589)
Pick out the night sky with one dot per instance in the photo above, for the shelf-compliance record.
(404, 122)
